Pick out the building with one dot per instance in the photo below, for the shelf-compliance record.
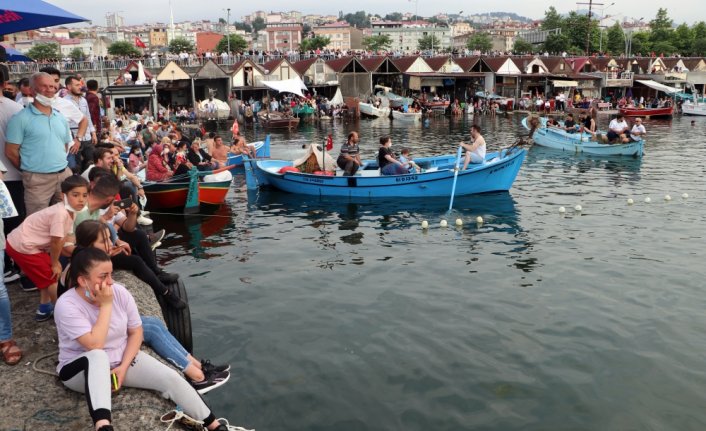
(343, 37)
(158, 37)
(405, 36)
(206, 41)
(114, 20)
(459, 28)
(283, 36)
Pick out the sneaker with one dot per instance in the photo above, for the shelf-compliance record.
(173, 300)
(156, 238)
(44, 312)
(225, 426)
(144, 221)
(156, 245)
(167, 277)
(212, 381)
(11, 275)
(145, 213)
(27, 284)
(207, 367)
(106, 428)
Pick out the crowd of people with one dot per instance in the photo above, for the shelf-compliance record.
(71, 212)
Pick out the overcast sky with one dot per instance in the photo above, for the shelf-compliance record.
(140, 11)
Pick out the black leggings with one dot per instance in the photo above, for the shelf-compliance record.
(140, 245)
(139, 268)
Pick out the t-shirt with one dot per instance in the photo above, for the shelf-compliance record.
(617, 126)
(34, 234)
(75, 317)
(86, 215)
(637, 128)
(349, 149)
(382, 152)
(42, 139)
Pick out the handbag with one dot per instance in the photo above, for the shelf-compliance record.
(7, 207)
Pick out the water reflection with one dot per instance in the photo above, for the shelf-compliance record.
(202, 235)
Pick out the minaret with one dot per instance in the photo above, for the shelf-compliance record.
(171, 21)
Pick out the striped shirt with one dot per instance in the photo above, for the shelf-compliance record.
(349, 149)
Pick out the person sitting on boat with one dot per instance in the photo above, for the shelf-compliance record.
(349, 159)
(386, 160)
(475, 151)
(551, 122)
(157, 168)
(406, 160)
(569, 124)
(135, 161)
(241, 146)
(638, 130)
(617, 130)
(200, 158)
(219, 151)
(589, 125)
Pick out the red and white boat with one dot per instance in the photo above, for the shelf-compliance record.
(647, 112)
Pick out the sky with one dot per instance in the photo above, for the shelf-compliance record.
(141, 11)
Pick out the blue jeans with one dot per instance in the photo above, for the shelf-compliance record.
(5, 316)
(161, 341)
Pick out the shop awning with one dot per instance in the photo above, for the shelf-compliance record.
(558, 83)
(657, 86)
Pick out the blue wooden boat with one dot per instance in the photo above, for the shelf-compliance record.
(580, 142)
(262, 149)
(497, 174)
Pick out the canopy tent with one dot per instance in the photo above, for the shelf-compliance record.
(16, 16)
(563, 84)
(294, 85)
(15, 55)
(657, 86)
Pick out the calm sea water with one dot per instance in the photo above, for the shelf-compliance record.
(347, 316)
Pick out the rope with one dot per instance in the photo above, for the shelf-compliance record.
(41, 358)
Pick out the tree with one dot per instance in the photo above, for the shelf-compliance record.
(683, 39)
(180, 44)
(521, 46)
(575, 26)
(394, 16)
(75, 34)
(243, 26)
(665, 48)
(615, 39)
(552, 19)
(640, 43)
(221, 20)
(380, 42)
(556, 43)
(699, 47)
(480, 41)
(428, 42)
(237, 43)
(359, 19)
(306, 29)
(77, 54)
(661, 27)
(258, 24)
(123, 49)
(314, 43)
(44, 51)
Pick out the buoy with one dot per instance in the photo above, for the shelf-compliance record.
(630, 201)
(443, 223)
(685, 195)
(479, 220)
(667, 198)
(648, 200)
(562, 210)
(459, 222)
(578, 208)
(425, 224)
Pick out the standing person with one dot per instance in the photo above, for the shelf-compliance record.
(24, 96)
(94, 105)
(475, 151)
(38, 140)
(349, 159)
(87, 141)
(638, 130)
(389, 165)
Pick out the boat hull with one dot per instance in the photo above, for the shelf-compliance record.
(410, 117)
(213, 193)
(580, 143)
(262, 150)
(370, 110)
(647, 112)
(277, 121)
(437, 181)
(689, 108)
(166, 195)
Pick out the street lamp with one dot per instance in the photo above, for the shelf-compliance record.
(628, 39)
(600, 25)
(228, 30)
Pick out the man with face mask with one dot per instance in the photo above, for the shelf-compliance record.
(38, 139)
(24, 95)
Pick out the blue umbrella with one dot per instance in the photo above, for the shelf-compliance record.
(22, 15)
(15, 55)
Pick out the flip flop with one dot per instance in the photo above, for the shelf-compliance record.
(11, 354)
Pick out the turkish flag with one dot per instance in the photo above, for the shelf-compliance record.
(329, 143)
(139, 43)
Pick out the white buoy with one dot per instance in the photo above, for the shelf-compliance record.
(630, 201)
(443, 223)
(667, 198)
(562, 210)
(425, 224)
(459, 222)
(578, 208)
(685, 195)
(479, 220)
(648, 200)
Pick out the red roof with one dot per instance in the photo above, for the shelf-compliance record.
(303, 65)
(436, 63)
(466, 63)
(404, 63)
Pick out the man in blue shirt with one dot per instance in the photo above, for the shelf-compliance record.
(37, 143)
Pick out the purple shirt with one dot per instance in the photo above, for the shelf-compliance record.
(75, 317)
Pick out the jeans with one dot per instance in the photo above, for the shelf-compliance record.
(163, 342)
(5, 316)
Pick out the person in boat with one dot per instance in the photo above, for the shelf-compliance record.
(617, 130)
(389, 165)
(241, 146)
(475, 151)
(135, 161)
(200, 158)
(638, 130)
(570, 125)
(349, 158)
(406, 160)
(551, 122)
(219, 151)
(588, 125)
(157, 168)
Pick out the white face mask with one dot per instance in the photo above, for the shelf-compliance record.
(44, 100)
(71, 209)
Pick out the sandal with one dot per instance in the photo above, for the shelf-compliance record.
(11, 354)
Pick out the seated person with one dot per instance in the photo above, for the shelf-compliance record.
(589, 125)
(219, 152)
(241, 146)
(551, 122)
(135, 161)
(157, 168)
(475, 151)
(386, 160)
(617, 130)
(200, 158)
(349, 157)
(100, 332)
(405, 159)
(570, 125)
(638, 131)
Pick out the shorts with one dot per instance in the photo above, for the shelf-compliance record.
(37, 267)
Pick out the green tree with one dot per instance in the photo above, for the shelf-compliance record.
(221, 20)
(77, 54)
(615, 39)
(237, 43)
(699, 47)
(665, 48)
(575, 26)
(480, 41)
(377, 43)
(683, 39)
(428, 42)
(75, 34)
(258, 24)
(661, 27)
(44, 51)
(180, 44)
(359, 19)
(699, 30)
(556, 43)
(123, 49)
(640, 43)
(243, 26)
(314, 43)
(552, 19)
(394, 16)
(521, 46)
(306, 29)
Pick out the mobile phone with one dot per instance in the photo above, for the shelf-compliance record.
(124, 204)
(114, 381)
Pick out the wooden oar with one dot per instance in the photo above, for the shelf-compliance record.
(453, 187)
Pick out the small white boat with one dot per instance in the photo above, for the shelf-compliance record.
(370, 110)
(410, 117)
(213, 108)
(691, 108)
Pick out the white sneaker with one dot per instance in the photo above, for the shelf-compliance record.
(145, 213)
(144, 221)
(155, 245)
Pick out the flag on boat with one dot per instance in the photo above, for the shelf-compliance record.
(329, 143)
(139, 43)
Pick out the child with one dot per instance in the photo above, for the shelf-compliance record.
(404, 158)
(38, 242)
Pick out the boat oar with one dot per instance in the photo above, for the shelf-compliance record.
(456, 168)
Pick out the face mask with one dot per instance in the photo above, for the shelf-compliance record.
(86, 293)
(44, 100)
(71, 209)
